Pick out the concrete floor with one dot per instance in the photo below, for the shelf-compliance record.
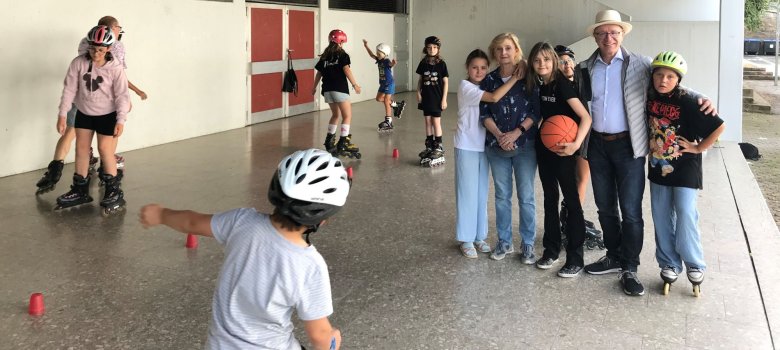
(399, 281)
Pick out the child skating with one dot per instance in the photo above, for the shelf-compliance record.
(675, 169)
(270, 268)
(96, 83)
(386, 85)
(333, 69)
(432, 100)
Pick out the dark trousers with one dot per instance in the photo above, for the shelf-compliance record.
(555, 171)
(618, 179)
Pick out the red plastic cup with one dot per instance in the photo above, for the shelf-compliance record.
(36, 304)
(192, 241)
(395, 152)
(349, 173)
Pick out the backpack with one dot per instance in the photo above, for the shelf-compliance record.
(749, 151)
(290, 81)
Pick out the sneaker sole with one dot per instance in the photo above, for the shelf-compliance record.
(497, 258)
(634, 294)
(527, 261)
(604, 272)
(546, 267)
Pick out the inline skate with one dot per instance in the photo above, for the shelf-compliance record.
(385, 126)
(330, 143)
(93, 161)
(425, 158)
(120, 174)
(49, 180)
(398, 109)
(113, 198)
(669, 275)
(696, 276)
(345, 147)
(593, 237)
(437, 155)
(78, 194)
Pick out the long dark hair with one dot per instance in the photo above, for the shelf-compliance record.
(332, 51)
(476, 53)
(545, 49)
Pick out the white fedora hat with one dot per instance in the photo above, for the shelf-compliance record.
(609, 17)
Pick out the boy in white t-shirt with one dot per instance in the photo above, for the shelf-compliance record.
(270, 268)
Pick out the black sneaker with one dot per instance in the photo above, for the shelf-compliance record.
(603, 266)
(545, 263)
(631, 284)
(569, 271)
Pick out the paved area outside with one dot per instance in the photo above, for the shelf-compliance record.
(399, 281)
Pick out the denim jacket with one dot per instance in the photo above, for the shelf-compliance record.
(510, 110)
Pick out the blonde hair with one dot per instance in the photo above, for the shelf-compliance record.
(499, 39)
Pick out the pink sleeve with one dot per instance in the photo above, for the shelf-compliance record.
(121, 96)
(70, 87)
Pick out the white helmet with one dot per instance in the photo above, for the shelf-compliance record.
(309, 186)
(384, 48)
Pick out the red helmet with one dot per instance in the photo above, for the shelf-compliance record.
(100, 36)
(337, 36)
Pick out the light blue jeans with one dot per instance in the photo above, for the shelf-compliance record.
(521, 163)
(471, 192)
(677, 237)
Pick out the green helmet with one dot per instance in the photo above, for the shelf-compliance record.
(671, 60)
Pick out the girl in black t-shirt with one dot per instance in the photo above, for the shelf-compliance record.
(557, 167)
(679, 133)
(333, 69)
(432, 99)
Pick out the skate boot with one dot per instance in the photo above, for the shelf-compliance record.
(78, 194)
(669, 275)
(345, 147)
(696, 276)
(120, 174)
(93, 162)
(425, 155)
(113, 198)
(49, 180)
(436, 155)
(330, 143)
(385, 126)
(593, 238)
(398, 110)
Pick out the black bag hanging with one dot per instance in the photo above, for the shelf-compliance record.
(290, 82)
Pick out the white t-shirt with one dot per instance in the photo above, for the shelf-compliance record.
(470, 134)
(263, 279)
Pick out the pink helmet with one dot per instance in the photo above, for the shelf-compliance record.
(337, 36)
(100, 36)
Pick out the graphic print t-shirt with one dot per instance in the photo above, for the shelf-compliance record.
(669, 119)
(332, 70)
(553, 99)
(432, 88)
(385, 71)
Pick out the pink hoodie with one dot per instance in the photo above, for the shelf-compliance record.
(105, 93)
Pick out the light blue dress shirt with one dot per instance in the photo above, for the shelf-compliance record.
(609, 113)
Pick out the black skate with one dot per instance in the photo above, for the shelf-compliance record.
(93, 162)
(330, 143)
(436, 155)
(113, 198)
(49, 180)
(696, 277)
(398, 110)
(345, 148)
(78, 194)
(425, 155)
(669, 275)
(384, 127)
(120, 174)
(593, 237)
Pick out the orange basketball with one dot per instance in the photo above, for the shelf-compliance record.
(558, 129)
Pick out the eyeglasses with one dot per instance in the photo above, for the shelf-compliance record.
(97, 49)
(566, 62)
(602, 35)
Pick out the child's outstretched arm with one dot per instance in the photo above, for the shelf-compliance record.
(185, 221)
(494, 96)
(321, 334)
(370, 53)
(137, 91)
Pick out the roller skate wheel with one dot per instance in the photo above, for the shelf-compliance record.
(696, 290)
(667, 286)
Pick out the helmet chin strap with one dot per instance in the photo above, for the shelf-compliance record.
(310, 230)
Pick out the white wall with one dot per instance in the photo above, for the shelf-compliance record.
(188, 56)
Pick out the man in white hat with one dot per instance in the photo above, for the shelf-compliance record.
(617, 145)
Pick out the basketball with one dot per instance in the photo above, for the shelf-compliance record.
(558, 129)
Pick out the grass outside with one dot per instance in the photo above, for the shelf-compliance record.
(763, 131)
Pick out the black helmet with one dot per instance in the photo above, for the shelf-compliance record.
(309, 186)
(433, 40)
(563, 50)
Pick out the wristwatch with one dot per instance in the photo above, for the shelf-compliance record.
(522, 130)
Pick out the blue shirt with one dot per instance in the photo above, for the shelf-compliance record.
(385, 71)
(607, 106)
(510, 110)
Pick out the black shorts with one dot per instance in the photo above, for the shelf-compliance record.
(102, 124)
(428, 113)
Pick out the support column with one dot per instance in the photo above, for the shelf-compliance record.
(732, 13)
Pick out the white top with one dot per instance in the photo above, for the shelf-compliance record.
(263, 279)
(470, 134)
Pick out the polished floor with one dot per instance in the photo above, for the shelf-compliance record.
(399, 281)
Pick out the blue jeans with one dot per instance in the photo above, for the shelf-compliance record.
(618, 179)
(471, 195)
(677, 237)
(521, 162)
